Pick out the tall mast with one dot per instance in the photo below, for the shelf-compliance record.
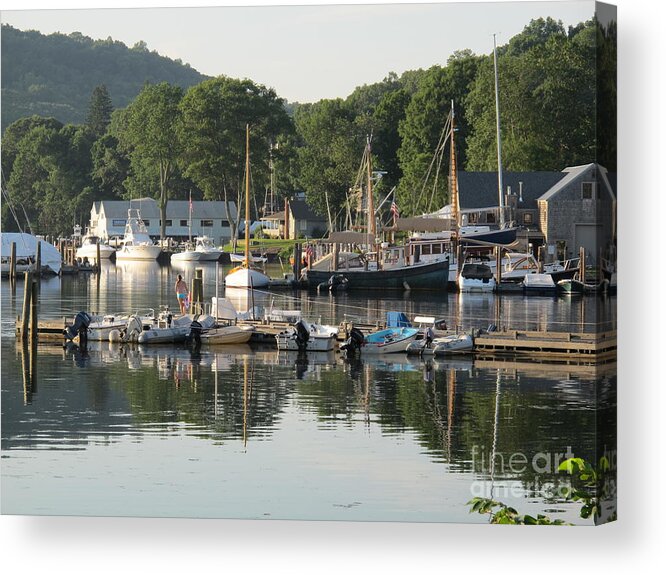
(247, 195)
(453, 170)
(500, 183)
(371, 206)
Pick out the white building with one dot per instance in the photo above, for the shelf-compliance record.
(108, 219)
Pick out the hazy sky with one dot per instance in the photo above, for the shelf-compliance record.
(305, 52)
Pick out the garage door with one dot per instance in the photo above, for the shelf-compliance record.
(588, 236)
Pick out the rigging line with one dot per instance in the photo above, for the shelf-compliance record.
(438, 150)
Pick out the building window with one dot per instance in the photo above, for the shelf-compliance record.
(528, 218)
(146, 223)
(168, 223)
(225, 223)
(119, 223)
(183, 223)
(303, 225)
(588, 190)
(206, 223)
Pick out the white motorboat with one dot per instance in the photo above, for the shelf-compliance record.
(305, 336)
(26, 251)
(203, 250)
(476, 277)
(137, 244)
(446, 345)
(170, 329)
(539, 284)
(227, 334)
(88, 249)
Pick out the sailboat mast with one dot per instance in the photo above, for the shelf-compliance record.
(455, 205)
(500, 183)
(371, 206)
(247, 195)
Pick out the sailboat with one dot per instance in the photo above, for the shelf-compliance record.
(380, 266)
(245, 276)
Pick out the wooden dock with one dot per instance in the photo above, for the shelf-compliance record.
(595, 347)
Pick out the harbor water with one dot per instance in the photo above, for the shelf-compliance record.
(250, 432)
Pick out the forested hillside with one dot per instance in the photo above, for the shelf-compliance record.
(54, 75)
(557, 91)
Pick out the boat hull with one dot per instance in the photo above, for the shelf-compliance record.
(138, 253)
(246, 278)
(90, 252)
(227, 335)
(287, 341)
(427, 276)
(392, 340)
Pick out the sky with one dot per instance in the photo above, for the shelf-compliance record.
(304, 52)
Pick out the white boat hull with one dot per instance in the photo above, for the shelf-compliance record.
(287, 341)
(227, 335)
(138, 252)
(90, 252)
(247, 278)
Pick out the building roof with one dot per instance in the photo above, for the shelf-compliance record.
(175, 208)
(570, 174)
(477, 190)
(302, 211)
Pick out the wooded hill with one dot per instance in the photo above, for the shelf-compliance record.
(558, 106)
(54, 75)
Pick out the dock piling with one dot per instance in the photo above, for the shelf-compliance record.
(12, 263)
(25, 317)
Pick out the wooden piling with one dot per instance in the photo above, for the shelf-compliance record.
(498, 264)
(581, 264)
(98, 257)
(34, 297)
(12, 262)
(196, 292)
(38, 260)
(27, 294)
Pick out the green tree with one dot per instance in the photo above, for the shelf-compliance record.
(214, 116)
(329, 158)
(99, 110)
(152, 137)
(422, 129)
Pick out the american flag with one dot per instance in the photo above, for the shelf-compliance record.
(394, 210)
(309, 252)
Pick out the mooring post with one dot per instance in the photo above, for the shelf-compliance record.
(25, 318)
(459, 259)
(581, 264)
(34, 288)
(12, 262)
(498, 264)
(98, 259)
(38, 261)
(25, 369)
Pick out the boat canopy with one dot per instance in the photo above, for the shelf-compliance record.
(397, 319)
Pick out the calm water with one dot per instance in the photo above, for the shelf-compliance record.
(246, 432)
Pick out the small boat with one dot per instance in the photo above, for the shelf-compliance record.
(445, 345)
(390, 340)
(305, 336)
(170, 329)
(239, 258)
(26, 251)
(476, 277)
(137, 244)
(227, 334)
(88, 249)
(203, 250)
(337, 282)
(570, 287)
(539, 284)
(244, 275)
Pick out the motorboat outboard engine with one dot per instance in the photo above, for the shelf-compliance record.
(79, 327)
(194, 335)
(353, 344)
(302, 335)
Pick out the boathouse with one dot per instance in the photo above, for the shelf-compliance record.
(563, 211)
(108, 219)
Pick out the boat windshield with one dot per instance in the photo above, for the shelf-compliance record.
(476, 271)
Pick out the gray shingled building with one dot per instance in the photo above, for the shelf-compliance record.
(563, 210)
